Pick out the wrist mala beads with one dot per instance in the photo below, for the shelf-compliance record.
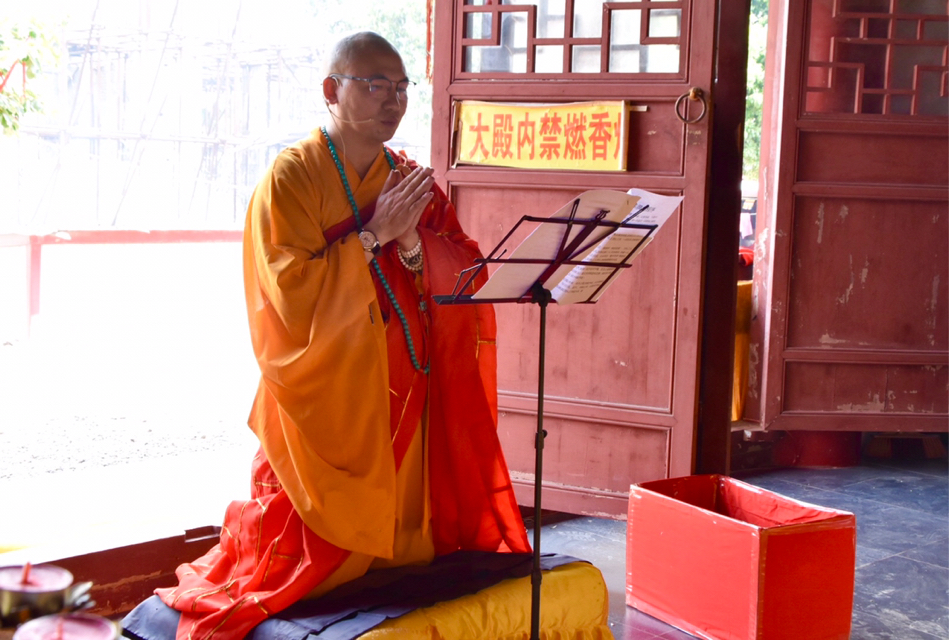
(412, 259)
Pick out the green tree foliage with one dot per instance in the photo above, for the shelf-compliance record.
(25, 49)
(757, 46)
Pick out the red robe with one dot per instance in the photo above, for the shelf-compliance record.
(340, 401)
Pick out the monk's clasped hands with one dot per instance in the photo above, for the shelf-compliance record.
(404, 197)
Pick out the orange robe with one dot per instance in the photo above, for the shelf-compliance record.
(340, 403)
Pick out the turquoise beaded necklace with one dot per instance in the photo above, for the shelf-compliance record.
(375, 263)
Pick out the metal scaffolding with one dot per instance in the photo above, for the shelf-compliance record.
(152, 129)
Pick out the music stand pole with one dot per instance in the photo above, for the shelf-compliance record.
(541, 297)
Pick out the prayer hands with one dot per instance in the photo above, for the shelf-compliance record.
(404, 196)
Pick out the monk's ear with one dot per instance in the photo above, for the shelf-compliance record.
(330, 85)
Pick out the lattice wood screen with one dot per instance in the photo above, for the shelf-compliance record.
(572, 37)
(879, 57)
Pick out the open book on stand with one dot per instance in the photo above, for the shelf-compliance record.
(579, 250)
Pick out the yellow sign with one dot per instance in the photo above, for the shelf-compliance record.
(584, 136)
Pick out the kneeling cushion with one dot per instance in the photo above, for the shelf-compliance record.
(463, 595)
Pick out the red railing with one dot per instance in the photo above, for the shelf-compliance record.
(34, 260)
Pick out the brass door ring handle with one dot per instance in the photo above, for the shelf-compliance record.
(694, 94)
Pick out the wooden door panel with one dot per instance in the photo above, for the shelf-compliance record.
(598, 356)
(887, 288)
(845, 388)
(583, 453)
(656, 138)
(892, 158)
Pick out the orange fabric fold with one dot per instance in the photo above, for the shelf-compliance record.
(339, 400)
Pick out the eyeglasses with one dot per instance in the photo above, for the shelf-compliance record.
(381, 87)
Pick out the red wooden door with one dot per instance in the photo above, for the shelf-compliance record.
(621, 375)
(852, 272)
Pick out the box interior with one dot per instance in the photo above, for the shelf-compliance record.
(740, 501)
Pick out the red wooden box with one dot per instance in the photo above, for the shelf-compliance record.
(722, 559)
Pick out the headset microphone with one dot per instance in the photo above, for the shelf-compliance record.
(336, 117)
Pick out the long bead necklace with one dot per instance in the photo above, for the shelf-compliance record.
(375, 263)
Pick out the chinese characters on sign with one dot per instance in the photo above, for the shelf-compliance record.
(588, 136)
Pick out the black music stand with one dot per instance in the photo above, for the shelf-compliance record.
(577, 239)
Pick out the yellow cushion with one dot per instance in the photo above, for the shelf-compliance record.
(574, 604)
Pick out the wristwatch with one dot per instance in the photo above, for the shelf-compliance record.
(370, 243)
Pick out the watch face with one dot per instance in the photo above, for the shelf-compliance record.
(369, 241)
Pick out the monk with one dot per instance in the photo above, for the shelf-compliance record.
(377, 409)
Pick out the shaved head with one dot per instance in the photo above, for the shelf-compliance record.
(356, 47)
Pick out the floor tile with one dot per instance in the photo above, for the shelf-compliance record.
(622, 633)
(938, 467)
(820, 478)
(592, 539)
(675, 634)
(903, 592)
(779, 484)
(635, 622)
(880, 525)
(869, 627)
(935, 553)
(912, 491)
(867, 555)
